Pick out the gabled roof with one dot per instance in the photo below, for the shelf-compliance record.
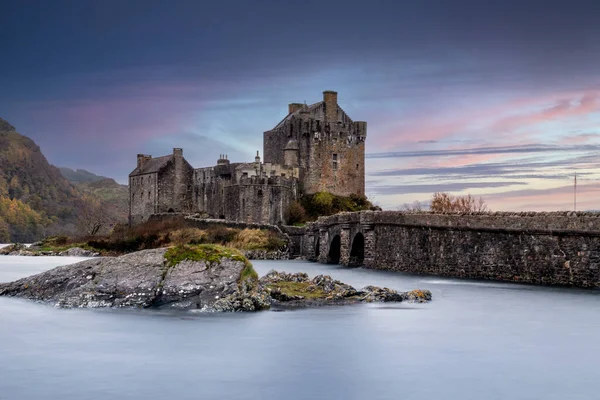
(315, 110)
(152, 165)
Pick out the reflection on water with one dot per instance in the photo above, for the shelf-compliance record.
(476, 340)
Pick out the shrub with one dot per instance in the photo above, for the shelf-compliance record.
(220, 234)
(257, 239)
(296, 214)
(324, 203)
(186, 236)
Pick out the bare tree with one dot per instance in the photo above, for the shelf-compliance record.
(92, 218)
(446, 203)
(415, 206)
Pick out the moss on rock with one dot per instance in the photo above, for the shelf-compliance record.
(210, 253)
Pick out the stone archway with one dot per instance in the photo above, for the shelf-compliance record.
(333, 257)
(357, 252)
(317, 247)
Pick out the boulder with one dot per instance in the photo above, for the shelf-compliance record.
(148, 278)
(78, 252)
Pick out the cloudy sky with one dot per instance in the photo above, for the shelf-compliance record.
(497, 99)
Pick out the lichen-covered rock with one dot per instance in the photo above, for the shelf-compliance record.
(297, 289)
(141, 279)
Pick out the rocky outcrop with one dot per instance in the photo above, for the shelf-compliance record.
(207, 278)
(78, 252)
(266, 255)
(18, 249)
(297, 289)
(142, 279)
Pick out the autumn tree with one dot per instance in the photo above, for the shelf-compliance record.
(446, 203)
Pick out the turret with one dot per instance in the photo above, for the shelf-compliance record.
(290, 153)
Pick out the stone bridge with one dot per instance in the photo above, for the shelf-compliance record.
(560, 248)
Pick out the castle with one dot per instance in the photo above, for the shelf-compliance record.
(314, 148)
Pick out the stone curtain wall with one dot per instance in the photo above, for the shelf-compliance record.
(542, 248)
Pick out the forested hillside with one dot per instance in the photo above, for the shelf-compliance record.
(35, 199)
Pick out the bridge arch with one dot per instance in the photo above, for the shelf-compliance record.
(335, 250)
(317, 247)
(357, 251)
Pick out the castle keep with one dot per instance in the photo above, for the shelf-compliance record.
(314, 148)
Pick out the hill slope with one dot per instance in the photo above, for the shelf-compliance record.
(35, 199)
(80, 175)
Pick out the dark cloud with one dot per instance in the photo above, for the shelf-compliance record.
(534, 148)
(438, 187)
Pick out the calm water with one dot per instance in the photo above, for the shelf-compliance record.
(476, 340)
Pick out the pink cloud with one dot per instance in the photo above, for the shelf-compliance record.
(491, 124)
(587, 104)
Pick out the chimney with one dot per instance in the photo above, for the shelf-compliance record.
(293, 107)
(178, 152)
(330, 100)
(142, 158)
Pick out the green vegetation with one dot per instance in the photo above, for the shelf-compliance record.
(211, 254)
(304, 289)
(154, 234)
(248, 273)
(201, 252)
(323, 203)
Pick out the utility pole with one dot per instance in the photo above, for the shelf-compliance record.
(575, 193)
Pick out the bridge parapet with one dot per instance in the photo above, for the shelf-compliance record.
(536, 247)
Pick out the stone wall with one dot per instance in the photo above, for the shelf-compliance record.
(561, 248)
(142, 197)
(251, 192)
(175, 186)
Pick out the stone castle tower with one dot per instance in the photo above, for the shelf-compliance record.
(314, 148)
(327, 146)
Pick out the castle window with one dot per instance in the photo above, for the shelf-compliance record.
(132, 198)
(142, 180)
(335, 160)
(148, 195)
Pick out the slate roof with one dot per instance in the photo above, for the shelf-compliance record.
(314, 109)
(310, 108)
(152, 165)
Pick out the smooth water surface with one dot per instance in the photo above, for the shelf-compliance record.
(476, 340)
